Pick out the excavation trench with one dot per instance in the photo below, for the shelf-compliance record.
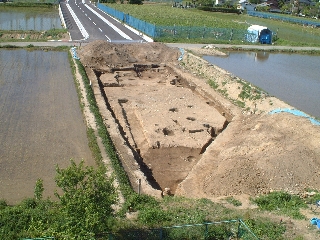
(166, 123)
(161, 119)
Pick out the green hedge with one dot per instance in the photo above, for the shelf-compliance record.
(218, 9)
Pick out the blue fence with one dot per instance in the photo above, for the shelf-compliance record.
(142, 26)
(153, 31)
(283, 18)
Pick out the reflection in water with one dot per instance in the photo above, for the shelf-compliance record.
(257, 56)
(41, 124)
(37, 21)
(261, 56)
(293, 78)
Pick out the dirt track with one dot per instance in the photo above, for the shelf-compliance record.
(183, 135)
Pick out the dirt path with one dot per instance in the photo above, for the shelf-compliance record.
(172, 45)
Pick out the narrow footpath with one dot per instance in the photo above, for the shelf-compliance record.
(177, 45)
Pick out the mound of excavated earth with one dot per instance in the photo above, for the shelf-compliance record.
(174, 128)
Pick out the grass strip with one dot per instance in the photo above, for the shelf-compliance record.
(122, 176)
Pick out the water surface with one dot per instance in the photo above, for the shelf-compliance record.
(29, 19)
(293, 78)
(41, 123)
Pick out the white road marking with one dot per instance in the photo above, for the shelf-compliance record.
(109, 23)
(79, 24)
(107, 37)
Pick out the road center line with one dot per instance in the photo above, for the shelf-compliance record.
(109, 23)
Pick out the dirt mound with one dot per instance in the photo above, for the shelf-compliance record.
(257, 155)
(104, 55)
(187, 136)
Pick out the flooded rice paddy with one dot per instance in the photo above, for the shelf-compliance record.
(293, 78)
(29, 19)
(41, 124)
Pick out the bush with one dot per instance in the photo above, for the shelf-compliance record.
(86, 200)
(3, 204)
(153, 217)
(218, 9)
(137, 202)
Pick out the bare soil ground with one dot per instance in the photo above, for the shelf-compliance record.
(174, 131)
(31, 35)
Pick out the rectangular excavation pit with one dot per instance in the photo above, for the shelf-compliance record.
(157, 119)
(161, 112)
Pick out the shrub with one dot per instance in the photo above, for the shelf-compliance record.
(3, 204)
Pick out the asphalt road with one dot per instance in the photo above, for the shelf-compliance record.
(85, 22)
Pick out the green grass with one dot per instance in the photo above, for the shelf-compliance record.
(31, 36)
(165, 15)
(281, 203)
(213, 84)
(288, 34)
(30, 4)
(177, 211)
(233, 201)
(122, 177)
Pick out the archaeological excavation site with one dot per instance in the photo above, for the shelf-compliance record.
(160, 115)
(175, 135)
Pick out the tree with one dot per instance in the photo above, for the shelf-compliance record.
(86, 199)
(139, 2)
(206, 2)
(281, 3)
(255, 1)
(107, 1)
(286, 8)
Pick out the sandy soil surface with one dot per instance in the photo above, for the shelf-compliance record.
(190, 138)
(178, 135)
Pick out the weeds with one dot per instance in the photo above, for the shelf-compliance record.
(239, 103)
(265, 229)
(281, 203)
(122, 177)
(54, 33)
(213, 83)
(233, 201)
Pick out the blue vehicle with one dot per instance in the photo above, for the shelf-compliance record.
(261, 34)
